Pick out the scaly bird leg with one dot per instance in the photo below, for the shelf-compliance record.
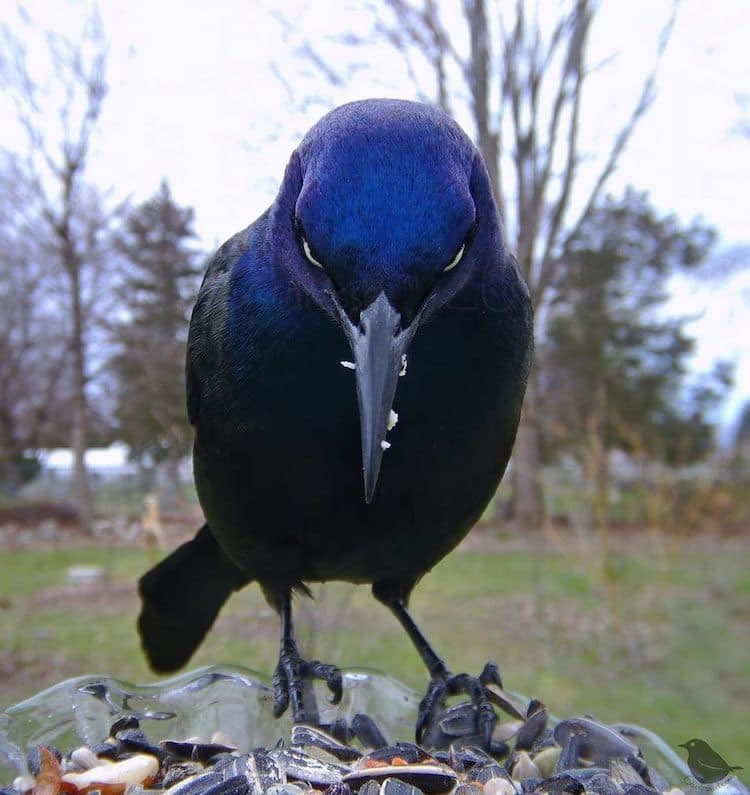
(292, 674)
(442, 682)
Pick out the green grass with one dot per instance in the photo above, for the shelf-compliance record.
(667, 649)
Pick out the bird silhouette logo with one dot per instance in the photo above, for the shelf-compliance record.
(705, 764)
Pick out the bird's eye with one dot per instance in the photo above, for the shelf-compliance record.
(452, 264)
(309, 254)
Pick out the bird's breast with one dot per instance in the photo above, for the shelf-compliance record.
(280, 474)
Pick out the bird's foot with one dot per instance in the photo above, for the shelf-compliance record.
(444, 684)
(289, 683)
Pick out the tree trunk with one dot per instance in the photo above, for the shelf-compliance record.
(79, 434)
(528, 498)
(167, 483)
(10, 471)
(479, 82)
(599, 488)
(10, 466)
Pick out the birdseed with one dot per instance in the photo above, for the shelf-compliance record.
(530, 753)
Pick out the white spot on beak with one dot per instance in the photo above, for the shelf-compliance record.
(384, 445)
(392, 420)
(349, 365)
(402, 371)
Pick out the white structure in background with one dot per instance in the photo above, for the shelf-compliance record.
(105, 464)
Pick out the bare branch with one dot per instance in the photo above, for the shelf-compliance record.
(575, 74)
(479, 85)
(644, 102)
(306, 51)
(279, 75)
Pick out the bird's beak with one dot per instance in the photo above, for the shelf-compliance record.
(378, 346)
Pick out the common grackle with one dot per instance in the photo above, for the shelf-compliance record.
(370, 322)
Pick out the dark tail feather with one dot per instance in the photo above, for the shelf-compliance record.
(182, 596)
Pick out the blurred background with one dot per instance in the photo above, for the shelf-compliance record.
(610, 573)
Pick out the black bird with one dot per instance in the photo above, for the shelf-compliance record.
(704, 763)
(383, 247)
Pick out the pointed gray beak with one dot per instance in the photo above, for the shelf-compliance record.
(378, 348)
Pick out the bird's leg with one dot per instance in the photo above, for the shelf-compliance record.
(292, 674)
(442, 682)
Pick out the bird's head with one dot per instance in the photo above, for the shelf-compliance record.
(694, 745)
(384, 214)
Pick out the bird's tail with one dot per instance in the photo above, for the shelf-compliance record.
(182, 596)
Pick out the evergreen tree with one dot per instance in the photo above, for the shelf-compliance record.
(740, 467)
(614, 368)
(161, 272)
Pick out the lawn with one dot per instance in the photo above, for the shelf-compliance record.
(664, 642)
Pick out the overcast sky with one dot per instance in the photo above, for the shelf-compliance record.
(193, 98)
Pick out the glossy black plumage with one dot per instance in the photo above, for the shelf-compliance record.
(384, 238)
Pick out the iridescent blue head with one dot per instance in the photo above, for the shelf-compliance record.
(376, 221)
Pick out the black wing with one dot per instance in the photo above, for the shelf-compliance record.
(208, 323)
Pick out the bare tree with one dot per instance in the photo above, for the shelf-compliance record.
(58, 115)
(33, 356)
(524, 73)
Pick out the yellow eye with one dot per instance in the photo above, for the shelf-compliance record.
(452, 264)
(308, 253)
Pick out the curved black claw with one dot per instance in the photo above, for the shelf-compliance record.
(289, 683)
(446, 684)
(432, 703)
(491, 675)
